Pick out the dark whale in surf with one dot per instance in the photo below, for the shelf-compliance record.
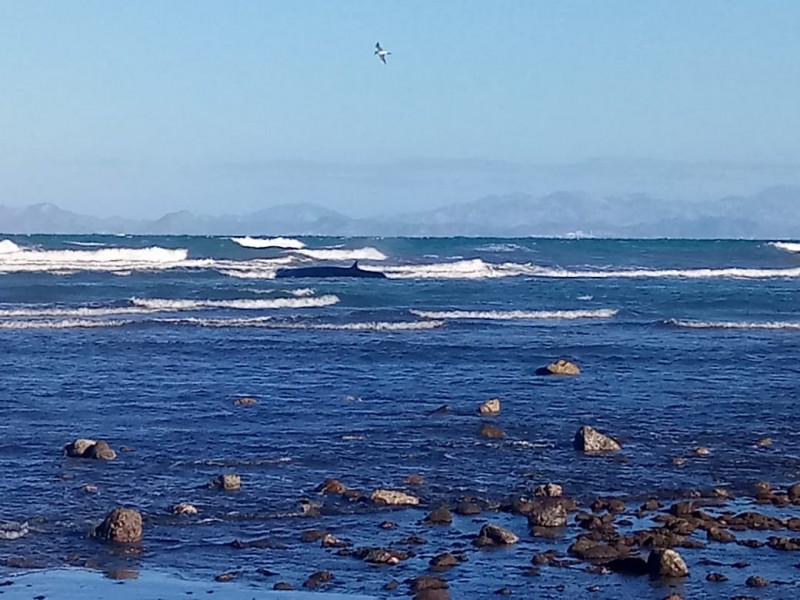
(352, 271)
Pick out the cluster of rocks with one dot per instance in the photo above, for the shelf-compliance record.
(86, 448)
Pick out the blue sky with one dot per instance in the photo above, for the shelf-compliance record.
(136, 108)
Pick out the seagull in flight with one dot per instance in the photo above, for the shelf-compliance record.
(382, 54)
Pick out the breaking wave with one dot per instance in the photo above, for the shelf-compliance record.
(367, 253)
(516, 314)
(14, 259)
(790, 325)
(278, 242)
(61, 324)
(268, 323)
(166, 305)
(462, 269)
(788, 246)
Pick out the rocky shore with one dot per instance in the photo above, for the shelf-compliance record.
(413, 539)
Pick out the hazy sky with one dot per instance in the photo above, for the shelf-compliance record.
(135, 108)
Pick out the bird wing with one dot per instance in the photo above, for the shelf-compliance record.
(378, 46)
(382, 57)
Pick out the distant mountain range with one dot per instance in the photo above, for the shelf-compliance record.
(773, 213)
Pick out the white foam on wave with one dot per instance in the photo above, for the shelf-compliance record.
(86, 244)
(278, 242)
(502, 315)
(7, 246)
(788, 246)
(461, 269)
(367, 253)
(163, 304)
(789, 325)
(724, 273)
(270, 323)
(15, 259)
(61, 324)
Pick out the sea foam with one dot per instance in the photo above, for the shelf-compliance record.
(516, 314)
(367, 253)
(162, 304)
(278, 242)
(787, 325)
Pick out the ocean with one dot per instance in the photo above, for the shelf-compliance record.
(148, 341)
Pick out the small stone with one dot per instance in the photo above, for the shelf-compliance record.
(764, 442)
(716, 577)
(245, 401)
(229, 576)
(439, 516)
(559, 367)
(184, 508)
(393, 498)
(89, 488)
(490, 431)
(667, 563)
(442, 410)
(229, 482)
(547, 513)
(414, 480)
(392, 585)
(794, 493)
(494, 535)
(467, 509)
(283, 586)
(720, 493)
(702, 451)
(503, 591)
(490, 407)
(78, 448)
(317, 579)
(678, 461)
(100, 451)
(754, 581)
(591, 441)
(549, 490)
(444, 561)
(331, 541)
(387, 525)
(332, 486)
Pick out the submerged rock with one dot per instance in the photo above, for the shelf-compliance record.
(439, 516)
(490, 431)
(121, 525)
(393, 498)
(318, 579)
(245, 401)
(591, 441)
(559, 367)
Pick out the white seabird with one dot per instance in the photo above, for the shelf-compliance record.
(382, 54)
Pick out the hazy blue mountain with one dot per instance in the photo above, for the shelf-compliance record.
(771, 213)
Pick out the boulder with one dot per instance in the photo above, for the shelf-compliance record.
(444, 561)
(393, 498)
(121, 525)
(666, 563)
(559, 367)
(494, 535)
(591, 441)
(318, 579)
(490, 407)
